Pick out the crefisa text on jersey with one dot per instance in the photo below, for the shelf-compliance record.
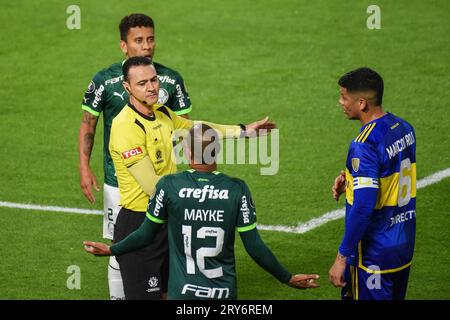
(166, 79)
(245, 210)
(201, 194)
(226, 309)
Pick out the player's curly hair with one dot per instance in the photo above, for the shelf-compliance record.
(364, 79)
(132, 21)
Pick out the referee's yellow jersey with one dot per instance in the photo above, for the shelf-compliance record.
(134, 136)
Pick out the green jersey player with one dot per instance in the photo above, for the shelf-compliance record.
(106, 94)
(203, 209)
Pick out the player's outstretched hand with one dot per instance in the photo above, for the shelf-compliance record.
(259, 128)
(338, 186)
(97, 248)
(304, 281)
(87, 181)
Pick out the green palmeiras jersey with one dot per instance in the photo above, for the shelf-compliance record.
(204, 211)
(106, 94)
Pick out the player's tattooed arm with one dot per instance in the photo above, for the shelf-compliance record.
(88, 117)
(88, 143)
(85, 145)
(87, 133)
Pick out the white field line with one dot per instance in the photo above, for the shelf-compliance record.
(300, 228)
(48, 208)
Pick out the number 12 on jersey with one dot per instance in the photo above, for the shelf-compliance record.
(203, 252)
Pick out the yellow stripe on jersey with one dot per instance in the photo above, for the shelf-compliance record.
(348, 187)
(356, 285)
(365, 133)
(352, 281)
(361, 134)
(388, 191)
(360, 264)
(372, 125)
(395, 126)
(389, 187)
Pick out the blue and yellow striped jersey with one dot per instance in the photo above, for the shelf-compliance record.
(381, 196)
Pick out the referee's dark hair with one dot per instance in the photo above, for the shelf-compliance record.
(134, 62)
(364, 79)
(134, 20)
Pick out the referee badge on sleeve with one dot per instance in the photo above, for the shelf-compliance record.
(355, 164)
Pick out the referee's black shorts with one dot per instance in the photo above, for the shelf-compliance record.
(145, 272)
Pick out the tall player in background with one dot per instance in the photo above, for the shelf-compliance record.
(106, 94)
(203, 209)
(374, 258)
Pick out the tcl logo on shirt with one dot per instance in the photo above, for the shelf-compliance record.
(131, 153)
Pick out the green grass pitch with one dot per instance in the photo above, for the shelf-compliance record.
(241, 60)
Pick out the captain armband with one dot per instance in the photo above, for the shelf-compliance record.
(364, 182)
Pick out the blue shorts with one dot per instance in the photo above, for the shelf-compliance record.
(361, 285)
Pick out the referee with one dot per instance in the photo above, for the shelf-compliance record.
(141, 148)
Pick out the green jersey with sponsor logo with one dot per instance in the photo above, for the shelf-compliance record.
(205, 210)
(106, 94)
